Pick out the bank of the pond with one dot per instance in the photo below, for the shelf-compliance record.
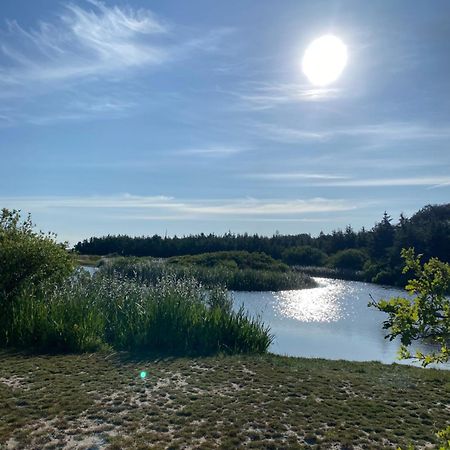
(122, 402)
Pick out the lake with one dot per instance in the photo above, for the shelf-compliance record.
(330, 321)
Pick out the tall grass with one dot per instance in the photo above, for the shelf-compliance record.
(151, 271)
(328, 272)
(172, 315)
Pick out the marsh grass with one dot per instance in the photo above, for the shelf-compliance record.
(176, 316)
(231, 278)
(329, 272)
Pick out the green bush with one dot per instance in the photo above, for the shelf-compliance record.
(28, 257)
(352, 259)
(304, 256)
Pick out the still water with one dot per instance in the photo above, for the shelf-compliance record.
(330, 321)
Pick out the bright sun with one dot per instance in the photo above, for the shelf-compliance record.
(324, 60)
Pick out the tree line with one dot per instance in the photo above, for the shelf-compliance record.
(375, 251)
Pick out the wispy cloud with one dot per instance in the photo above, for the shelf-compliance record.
(382, 132)
(163, 206)
(98, 40)
(211, 151)
(295, 176)
(327, 180)
(262, 96)
(89, 44)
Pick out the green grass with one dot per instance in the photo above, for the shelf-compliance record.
(87, 260)
(264, 402)
(226, 275)
(86, 313)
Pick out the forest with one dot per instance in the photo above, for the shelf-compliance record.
(373, 254)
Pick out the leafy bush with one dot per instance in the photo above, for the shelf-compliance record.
(427, 314)
(304, 256)
(28, 257)
(352, 259)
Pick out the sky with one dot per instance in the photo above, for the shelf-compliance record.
(141, 117)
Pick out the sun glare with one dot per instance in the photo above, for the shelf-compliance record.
(324, 60)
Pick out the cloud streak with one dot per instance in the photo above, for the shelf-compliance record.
(382, 132)
(84, 42)
(263, 96)
(329, 180)
(163, 206)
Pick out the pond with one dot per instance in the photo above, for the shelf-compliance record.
(330, 321)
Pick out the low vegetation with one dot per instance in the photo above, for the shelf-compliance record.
(223, 271)
(264, 402)
(378, 249)
(46, 306)
(175, 316)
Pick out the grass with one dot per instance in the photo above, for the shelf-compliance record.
(264, 402)
(87, 260)
(227, 275)
(87, 313)
(328, 272)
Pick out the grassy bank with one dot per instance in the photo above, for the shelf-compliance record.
(100, 401)
(328, 272)
(87, 260)
(210, 272)
(87, 313)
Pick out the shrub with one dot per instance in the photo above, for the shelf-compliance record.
(352, 259)
(28, 257)
(242, 260)
(304, 256)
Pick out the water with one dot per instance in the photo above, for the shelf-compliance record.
(331, 321)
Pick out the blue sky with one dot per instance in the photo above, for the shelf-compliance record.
(176, 117)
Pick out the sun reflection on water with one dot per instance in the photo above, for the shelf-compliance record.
(320, 304)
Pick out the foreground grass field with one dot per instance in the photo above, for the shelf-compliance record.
(100, 401)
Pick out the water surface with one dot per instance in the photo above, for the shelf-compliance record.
(330, 321)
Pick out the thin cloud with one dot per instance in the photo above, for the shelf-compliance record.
(211, 151)
(163, 206)
(83, 42)
(380, 133)
(295, 176)
(95, 41)
(325, 180)
(263, 96)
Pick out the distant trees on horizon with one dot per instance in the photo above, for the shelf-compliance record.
(378, 249)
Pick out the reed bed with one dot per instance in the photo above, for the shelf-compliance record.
(234, 279)
(172, 315)
(328, 272)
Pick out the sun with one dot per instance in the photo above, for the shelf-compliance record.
(324, 60)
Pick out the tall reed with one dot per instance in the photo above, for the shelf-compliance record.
(172, 315)
(150, 271)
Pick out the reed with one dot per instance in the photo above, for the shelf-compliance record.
(235, 279)
(173, 315)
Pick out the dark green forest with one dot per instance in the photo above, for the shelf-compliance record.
(372, 253)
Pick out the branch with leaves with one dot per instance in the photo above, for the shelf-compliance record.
(426, 314)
